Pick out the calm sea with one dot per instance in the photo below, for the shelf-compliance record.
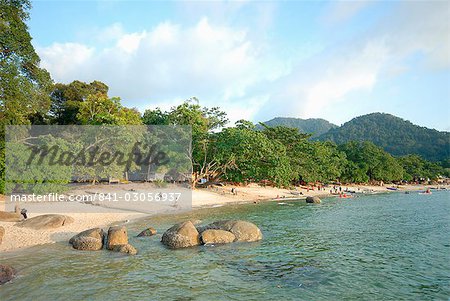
(377, 247)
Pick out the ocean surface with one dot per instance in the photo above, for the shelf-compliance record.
(374, 247)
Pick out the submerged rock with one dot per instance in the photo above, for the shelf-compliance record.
(213, 236)
(313, 200)
(7, 273)
(116, 236)
(126, 248)
(181, 236)
(147, 232)
(47, 221)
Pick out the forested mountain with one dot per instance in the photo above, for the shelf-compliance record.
(397, 136)
(315, 126)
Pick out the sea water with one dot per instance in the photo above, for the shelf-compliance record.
(377, 247)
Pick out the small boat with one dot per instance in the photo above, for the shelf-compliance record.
(428, 191)
(345, 196)
(392, 188)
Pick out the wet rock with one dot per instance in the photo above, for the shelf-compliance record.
(313, 200)
(47, 221)
(126, 249)
(212, 236)
(181, 236)
(86, 243)
(116, 236)
(7, 273)
(242, 230)
(147, 232)
(96, 233)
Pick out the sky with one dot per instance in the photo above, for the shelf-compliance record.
(257, 59)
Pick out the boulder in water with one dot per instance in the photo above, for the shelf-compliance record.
(242, 230)
(7, 273)
(47, 221)
(126, 248)
(181, 236)
(96, 233)
(213, 236)
(116, 236)
(147, 232)
(313, 200)
(86, 243)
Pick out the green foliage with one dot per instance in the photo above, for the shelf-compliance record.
(66, 100)
(395, 135)
(98, 109)
(313, 126)
(255, 157)
(38, 177)
(371, 163)
(416, 168)
(24, 86)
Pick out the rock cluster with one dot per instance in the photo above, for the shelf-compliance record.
(220, 232)
(95, 239)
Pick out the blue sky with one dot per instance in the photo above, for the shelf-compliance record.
(257, 60)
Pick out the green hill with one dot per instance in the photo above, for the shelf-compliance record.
(395, 135)
(315, 126)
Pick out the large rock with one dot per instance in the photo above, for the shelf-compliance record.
(242, 230)
(126, 248)
(10, 216)
(6, 273)
(86, 243)
(181, 236)
(212, 236)
(313, 199)
(147, 232)
(94, 233)
(2, 233)
(116, 236)
(47, 221)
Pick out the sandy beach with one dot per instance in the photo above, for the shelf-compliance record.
(90, 215)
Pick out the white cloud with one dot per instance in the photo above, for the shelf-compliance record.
(421, 26)
(236, 68)
(340, 11)
(69, 57)
(218, 64)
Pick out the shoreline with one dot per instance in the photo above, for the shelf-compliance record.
(17, 238)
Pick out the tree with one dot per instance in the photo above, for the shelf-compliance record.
(98, 109)
(203, 122)
(66, 100)
(250, 156)
(415, 167)
(372, 161)
(24, 86)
